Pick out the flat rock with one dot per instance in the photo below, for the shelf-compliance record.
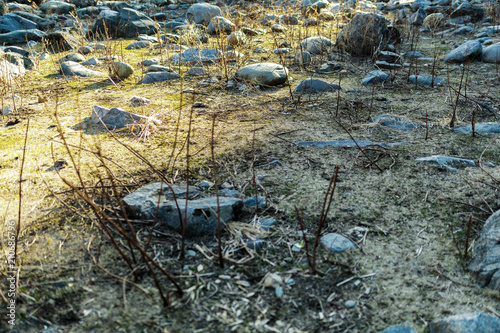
(194, 55)
(425, 80)
(21, 36)
(487, 128)
(394, 122)
(376, 76)
(315, 86)
(466, 323)
(450, 163)
(154, 77)
(57, 7)
(159, 68)
(266, 74)
(399, 329)
(139, 45)
(114, 117)
(485, 263)
(344, 143)
(201, 217)
(336, 243)
(11, 22)
(491, 54)
(467, 51)
(71, 68)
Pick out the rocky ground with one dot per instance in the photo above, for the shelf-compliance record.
(354, 159)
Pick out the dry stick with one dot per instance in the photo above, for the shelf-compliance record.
(480, 196)
(21, 190)
(466, 250)
(216, 184)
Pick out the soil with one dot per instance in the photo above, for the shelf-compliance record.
(409, 265)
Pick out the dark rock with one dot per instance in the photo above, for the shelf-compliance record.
(479, 128)
(114, 117)
(57, 7)
(366, 33)
(138, 45)
(155, 77)
(417, 18)
(21, 36)
(425, 80)
(42, 23)
(465, 52)
(448, 162)
(466, 323)
(485, 264)
(316, 45)
(315, 86)
(328, 67)
(256, 244)
(476, 12)
(59, 41)
(16, 49)
(375, 77)
(128, 23)
(201, 218)
(11, 22)
(259, 202)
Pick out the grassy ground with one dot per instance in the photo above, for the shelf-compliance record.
(406, 268)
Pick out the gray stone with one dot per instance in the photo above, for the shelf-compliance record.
(491, 54)
(487, 128)
(71, 68)
(155, 77)
(267, 223)
(448, 162)
(229, 193)
(150, 62)
(399, 329)
(303, 58)
(57, 7)
(201, 56)
(466, 323)
(475, 12)
(366, 33)
(260, 202)
(236, 38)
(220, 25)
(328, 67)
(350, 304)
(417, 18)
(316, 45)
(114, 117)
(201, 217)
(128, 23)
(344, 143)
(266, 74)
(16, 49)
(376, 76)
(315, 86)
(91, 62)
(139, 101)
(387, 65)
(465, 52)
(122, 70)
(75, 57)
(85, 49)
(159, 68)
(485, 263)
(11, 22)
(426, 80)
(434, 20)
(256, 244)
(394, 122)
(138, 45)
(9, 70)
(336, 243)
(463, 31)
(202, 13)
(21, 36)
(58, 41)
(197, 71)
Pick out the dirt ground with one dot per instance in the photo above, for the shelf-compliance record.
(408, 266)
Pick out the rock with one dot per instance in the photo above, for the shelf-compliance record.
(138, 45)
(265, 74)
(11, 22)
(71, 68)
(393, 122)
(75, 57)
(487, 128)
(277, 28)
(197, 71)
(289, 20)
(344, 143)
(491, 54)
(155, 77)
(303, 58)
(21, 36)
(386, 65)
(328, 68)
(350, 304)
(316, 45)
(85, 49)
(366, 33)
(315, 86)
(485, 263)
(465, 52)
(57, 7)
(114, 117)
(249, 31)
(376, 76)
(122, 70)
(9, 70)
(158, 68)
(202, 13)
(15, 49)
(475, 12)
(259, 202)
(150, 62)
(220, 25)
(229, 193)
(267, 223)
(417, 18)
(256, 244)
(463, 31)
(336, 243)
(201, 56)
(450, 163)
(128, 23)
(388, 56)
(139, 101)
(426, 80)
(58, 41)
(201, 217)
(399, 329)
(91, 62)
(236, 38)
(466, 323)
(434, 20)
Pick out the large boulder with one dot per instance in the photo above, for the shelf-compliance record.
(57, 7)
(21, 36)
(11, 22)
(467, 51)
(476, 12)
(202, 13)
(265, 74)
(485, 264)
(128, 23)
(466, 323)
(365, 34)
(316, 45)
(491, 54)
(42, 23)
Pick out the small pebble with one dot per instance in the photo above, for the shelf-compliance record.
(349, 304)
